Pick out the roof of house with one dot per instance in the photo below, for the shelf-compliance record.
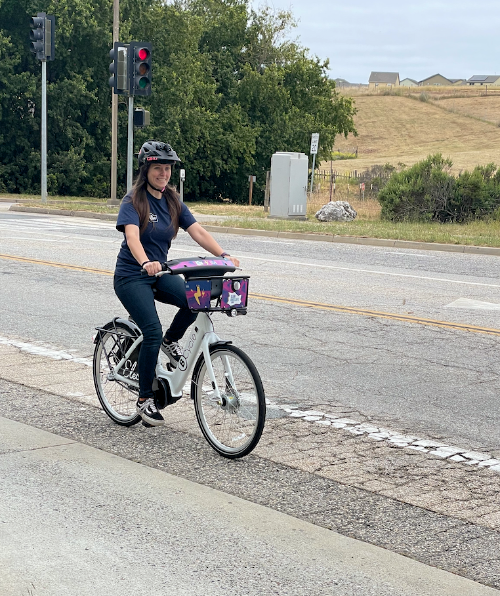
(435, 75)
(483, 79)
(408, 79)
(384, 77)
(456, 80)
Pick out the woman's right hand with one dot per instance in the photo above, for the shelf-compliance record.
(152, 267)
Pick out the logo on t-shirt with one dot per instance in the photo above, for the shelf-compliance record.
(153, 217)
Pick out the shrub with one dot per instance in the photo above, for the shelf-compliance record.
(428, 191)
(336, 155)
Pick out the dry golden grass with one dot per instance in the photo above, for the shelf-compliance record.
(367, 209)
(398, 129)
(485, 107)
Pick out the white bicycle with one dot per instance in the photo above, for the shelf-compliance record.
(226, 387)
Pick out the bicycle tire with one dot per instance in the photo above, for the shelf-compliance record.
(116, 398)
(234, 424)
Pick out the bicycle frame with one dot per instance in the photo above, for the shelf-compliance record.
(200, 340)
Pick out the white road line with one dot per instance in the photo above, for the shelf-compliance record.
(395, 439)
(408, 254)
(44, 350)
(376, 433)
(473, 304)
(351, 269)
(60, 237)
(355, 270)
(37, 239)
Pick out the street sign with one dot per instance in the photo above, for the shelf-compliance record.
(362, 186)
(314, 143)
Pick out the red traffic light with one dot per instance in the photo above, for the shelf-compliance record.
(140, 66)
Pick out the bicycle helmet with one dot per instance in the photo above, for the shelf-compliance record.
(157, 152)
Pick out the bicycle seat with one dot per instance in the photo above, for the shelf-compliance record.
(196, 267)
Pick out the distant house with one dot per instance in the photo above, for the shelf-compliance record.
(458, 81)
(342, 83)
(484, 80)
(383, 79)
(436, 79)
(408, 83)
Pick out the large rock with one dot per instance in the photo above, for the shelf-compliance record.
(336, 211)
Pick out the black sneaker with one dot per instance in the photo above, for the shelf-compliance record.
(173, 351)
(148, 411)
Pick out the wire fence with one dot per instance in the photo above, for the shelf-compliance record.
(358, 188)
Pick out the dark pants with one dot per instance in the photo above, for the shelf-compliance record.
(138, 295)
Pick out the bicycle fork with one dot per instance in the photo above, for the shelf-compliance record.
(227, 399)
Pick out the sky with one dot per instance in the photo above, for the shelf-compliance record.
(455, 38)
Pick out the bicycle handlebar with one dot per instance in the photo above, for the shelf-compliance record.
(203, 266)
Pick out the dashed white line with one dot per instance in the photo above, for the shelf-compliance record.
(395, 438)
(376, 433)
(44, 350)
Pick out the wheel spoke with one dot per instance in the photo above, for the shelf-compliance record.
(232, 424)
(116, 397)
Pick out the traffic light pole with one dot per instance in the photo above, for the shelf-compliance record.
(114, 114)
(130, 142)
(44, 132)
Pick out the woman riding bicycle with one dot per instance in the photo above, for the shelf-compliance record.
(150, 216)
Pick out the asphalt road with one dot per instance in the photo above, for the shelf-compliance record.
(417, 378)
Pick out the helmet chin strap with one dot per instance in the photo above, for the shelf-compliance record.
(157, 189)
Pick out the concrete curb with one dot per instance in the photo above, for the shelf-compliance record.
(363, 241)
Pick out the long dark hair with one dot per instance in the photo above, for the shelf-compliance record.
(141, 204)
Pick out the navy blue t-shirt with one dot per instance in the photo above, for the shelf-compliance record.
(155, 239)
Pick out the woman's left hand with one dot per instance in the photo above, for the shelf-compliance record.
(234, 260)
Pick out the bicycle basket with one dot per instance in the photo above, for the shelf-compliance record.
(230, 293)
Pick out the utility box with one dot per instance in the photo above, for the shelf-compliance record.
(288, 194)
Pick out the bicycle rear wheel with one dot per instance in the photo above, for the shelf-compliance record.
(117, 399)
(233, 424)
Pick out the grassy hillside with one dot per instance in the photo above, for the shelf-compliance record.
(462, 124)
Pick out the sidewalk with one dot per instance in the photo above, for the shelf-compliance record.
(77, 520)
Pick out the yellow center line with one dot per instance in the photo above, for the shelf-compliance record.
(294, 301)
(54, 264)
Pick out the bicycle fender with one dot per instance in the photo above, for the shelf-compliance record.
(132, 327)
(221, 342)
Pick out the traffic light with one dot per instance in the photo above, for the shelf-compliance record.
(139, 62)
(42, 36)
(119, 68)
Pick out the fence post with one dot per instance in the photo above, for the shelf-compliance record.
(331, 179)
(267, 192)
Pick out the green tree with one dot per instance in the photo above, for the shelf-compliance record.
(230, 88)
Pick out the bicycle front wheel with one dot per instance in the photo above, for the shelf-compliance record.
(117, 399)
(233, 423)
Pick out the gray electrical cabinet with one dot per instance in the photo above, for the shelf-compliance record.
(288, 189)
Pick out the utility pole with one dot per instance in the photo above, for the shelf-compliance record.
(114, 113)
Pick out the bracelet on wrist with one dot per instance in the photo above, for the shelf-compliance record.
(225, 254)
(145, 263)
